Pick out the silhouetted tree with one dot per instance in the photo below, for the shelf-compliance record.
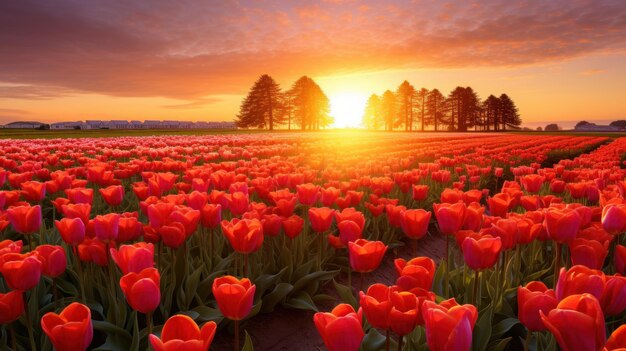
(287, 98)
(619, 123)
(471, 109)
(510, 115)
(463, 108)
(405, 93)
(492, 108)
(552, 127)
(435, 107)
(422, 94)
(388, 109)
(580, 124)
(539, 129)
(262, 106)
(310, 104)
(372, 117)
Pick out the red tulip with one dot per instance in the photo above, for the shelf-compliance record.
(107, 226)
(341, 328)
(133, 258)
(292, 226)
(234, 297)
(448, 329)
(25, 219)
(620, 259)
(308, 193)
(321, 218)
(614, 218)
(113, 195)
(420, 192)
(415, 223)
(129, 227)
(81, 211)
(72, 230)
(590, 253)
(562, 225)
(80, 195)
(352, 215)
(180, 332)
(33, 191)
(483, 253)
(579, 280)
(272, 224)
(188, 217)
(173, 234)
(506, 230)
(613, 300)
(238, 203)
(21, 271)
(577, 323)
(211, 215)
(329, 195)
(142, 290)
(365, 256)
(404, 313)
(72, 330)
(499, 204)
(473, 217)
(376, 305)
(451, 196)
(348, 231)
(532, 182)
(159, 214)
(53, 260)
(93, 250)
(244, 235)
(418, 272)
(450, 217)
(617, 341)
(531, 299)
(11, 306)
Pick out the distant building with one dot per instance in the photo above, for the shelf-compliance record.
(27, 125)
(68, 125)
(123, 124)
(592, 127)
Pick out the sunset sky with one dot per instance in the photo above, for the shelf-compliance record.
(195, 60)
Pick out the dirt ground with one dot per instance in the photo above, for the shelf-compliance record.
(293, 330)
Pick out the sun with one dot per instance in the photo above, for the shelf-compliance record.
(347, 109)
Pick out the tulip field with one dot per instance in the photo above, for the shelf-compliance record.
(183, 242)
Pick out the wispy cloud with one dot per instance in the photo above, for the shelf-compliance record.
(192, 49)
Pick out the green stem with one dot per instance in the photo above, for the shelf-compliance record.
(149, 323)
(447, 289)
(236, 335)
(557, 262)
(387, 341)
(79, 268)
(529, 335)
(13, 337)
(29, 324)
(400, 343)
(476, 285)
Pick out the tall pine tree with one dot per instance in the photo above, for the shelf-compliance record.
(310, 105)
(262, 107)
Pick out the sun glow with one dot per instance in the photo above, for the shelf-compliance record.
(347, 109)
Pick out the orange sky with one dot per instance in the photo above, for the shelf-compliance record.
(194, 60)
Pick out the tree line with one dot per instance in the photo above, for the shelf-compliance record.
(304, 106)
(411, 109)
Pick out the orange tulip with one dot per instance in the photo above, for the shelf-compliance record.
(234, 296)
(25, 219)
(133, 258)
(418, 272)
(531, 299)
(617, 341)
(577, 323)
(415, 223)
(579, 280)
(450, 217)
(562, 225)
(365, 256)
(341, 328)
(180, 332)
(483, 253)
(71, 330)
(11, 306)
(376, 305)
(590, 253)
(448, 329)
(244, 235)
(321, 218)
(142, 290)
(113, 195)
(72, 230)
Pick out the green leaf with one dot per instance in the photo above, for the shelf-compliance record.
(503, 326)
(315, 276)
(277, 296)
(482, 329)
(373, 341)
(301, 301)
(266, 281)
(247, 345)
(501, 345)
(345, 294)
(206, 313)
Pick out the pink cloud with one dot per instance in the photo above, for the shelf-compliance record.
(194, 49)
